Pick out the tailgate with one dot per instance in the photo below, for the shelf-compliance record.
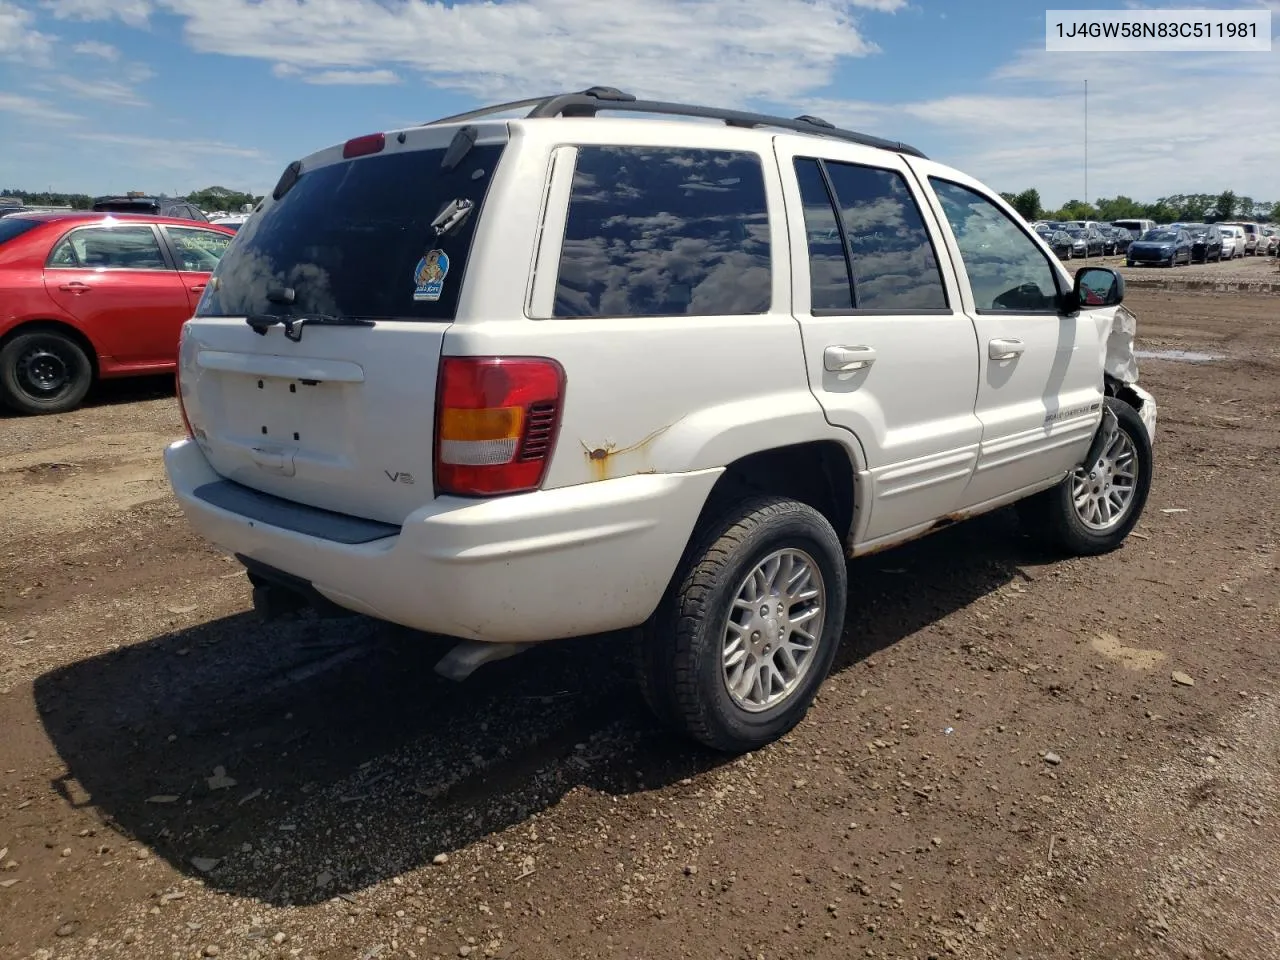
(364, 248)
(343, 419)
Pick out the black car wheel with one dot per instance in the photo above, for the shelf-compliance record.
(43, 372)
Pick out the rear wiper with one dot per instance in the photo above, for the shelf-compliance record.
(454, 212)
(293, 325)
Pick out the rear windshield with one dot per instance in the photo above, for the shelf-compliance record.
(12, 226)
(126, 206)
(354, 239)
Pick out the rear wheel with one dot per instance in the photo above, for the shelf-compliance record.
(44, 372)
(1093, 510)
(748, 631)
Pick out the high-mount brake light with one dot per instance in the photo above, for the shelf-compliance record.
(496, 423)
(363, 146)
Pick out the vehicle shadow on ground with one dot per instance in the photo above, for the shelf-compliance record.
(110, 393)
(311, 758)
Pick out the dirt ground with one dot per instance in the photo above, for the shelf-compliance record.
(1016, 756)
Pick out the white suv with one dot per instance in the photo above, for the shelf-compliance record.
(518, 380)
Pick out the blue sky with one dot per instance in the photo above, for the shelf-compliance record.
(175, 95)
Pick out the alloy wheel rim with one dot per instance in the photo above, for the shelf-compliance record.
(774, 629)
(1103, 495)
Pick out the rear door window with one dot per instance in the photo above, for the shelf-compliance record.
(354, 239)
(197, 250)
(665, 231)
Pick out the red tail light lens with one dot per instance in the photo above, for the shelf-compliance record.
(496, 423)
(363, 146)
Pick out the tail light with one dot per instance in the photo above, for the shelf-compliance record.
(496, 423)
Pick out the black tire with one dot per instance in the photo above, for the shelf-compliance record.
(681, 653)
(1052, 516)
(44, 372)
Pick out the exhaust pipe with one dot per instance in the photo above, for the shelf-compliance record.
(470, 655)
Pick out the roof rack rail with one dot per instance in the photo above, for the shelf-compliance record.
(589, 102)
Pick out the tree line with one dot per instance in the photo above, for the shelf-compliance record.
(210, 198)
(1182, 207)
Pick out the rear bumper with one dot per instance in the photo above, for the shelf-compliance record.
(536, 566)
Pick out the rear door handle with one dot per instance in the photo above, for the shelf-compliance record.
(75, 286)
(1005, 349)
(197, 288)
(846, 359)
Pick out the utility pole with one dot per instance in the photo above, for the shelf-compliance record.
(1086, 142)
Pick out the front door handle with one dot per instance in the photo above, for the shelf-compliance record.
(75, 286)
(846, 359)
(1005, 349)
(197, 288)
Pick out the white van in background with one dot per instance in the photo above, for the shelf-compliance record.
(1142, 226)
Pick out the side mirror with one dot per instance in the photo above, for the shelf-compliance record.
(1098, 287)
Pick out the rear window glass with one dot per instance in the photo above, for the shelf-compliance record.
(354, 239)
(665, 232)
(11, 227)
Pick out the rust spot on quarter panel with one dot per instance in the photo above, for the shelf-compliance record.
(600, 458)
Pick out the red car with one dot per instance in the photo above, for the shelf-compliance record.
(94, 295)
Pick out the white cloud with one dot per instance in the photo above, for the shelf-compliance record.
(20, 41)
(96, 48)
(133, 12)
(688, 49)
(99, 88)
(179, 153)
(1159, 124)
(33, 109)
(338, 77)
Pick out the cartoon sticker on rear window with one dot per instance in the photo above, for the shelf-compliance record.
(429, 274)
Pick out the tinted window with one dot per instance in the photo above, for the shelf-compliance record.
(1007, 271)
(11, 227)
(661, 232)
(197, 250)
(894, 267)
(1165, 236)
(117, 247)
(355, 239)
(829, 284)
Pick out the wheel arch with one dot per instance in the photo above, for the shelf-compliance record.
(820, 473)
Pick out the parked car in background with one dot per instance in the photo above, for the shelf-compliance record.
(85, 296)
(395, 432)
(152, 206)
(232, 222)
(1059, 241)
(1120, 239)
(1232, 241)
(1206, 242)
(1251, 234)
(1271, 237)
(1085, 241)
(1164, 247)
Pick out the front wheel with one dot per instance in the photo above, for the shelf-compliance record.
(44, 372)
(1093, 510)
(748, 630)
